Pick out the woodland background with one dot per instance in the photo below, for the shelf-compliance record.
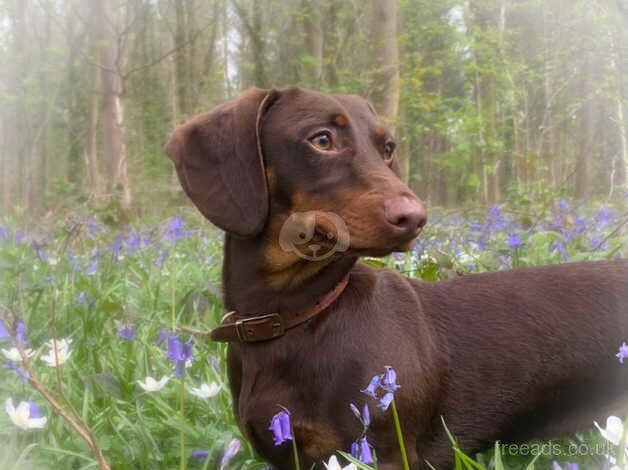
(490, 99)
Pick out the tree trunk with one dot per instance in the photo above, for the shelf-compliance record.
(313, 41)
(181, 66)
(386, 87)
(619, 110)
(585, 157)
(112, 119)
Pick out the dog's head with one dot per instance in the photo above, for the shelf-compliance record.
(313, 173)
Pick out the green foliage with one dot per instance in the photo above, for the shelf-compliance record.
(43, 269)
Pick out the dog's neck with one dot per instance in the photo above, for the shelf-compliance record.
(250, 290)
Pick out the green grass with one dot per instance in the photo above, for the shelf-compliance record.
(42, 274)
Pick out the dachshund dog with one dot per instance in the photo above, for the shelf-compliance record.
(304, 183)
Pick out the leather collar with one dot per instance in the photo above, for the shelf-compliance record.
(235, 327)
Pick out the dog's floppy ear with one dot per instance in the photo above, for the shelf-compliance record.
(220, 165)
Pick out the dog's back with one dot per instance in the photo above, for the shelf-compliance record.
(538, 342)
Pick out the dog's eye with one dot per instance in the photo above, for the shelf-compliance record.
(389, 148)
(321, 141)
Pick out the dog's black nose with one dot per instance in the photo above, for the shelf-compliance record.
(406, 214)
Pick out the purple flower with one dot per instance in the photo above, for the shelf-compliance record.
(200, 455)
(116, 247)
(564, 206)
(179, 354)
(366, 415)
(366, 455)
(21, 373)
(133, 243)
(580, 224)
(232, 449)
(175, 229)
(389, 381)
(355, 411)
(34, 410)
(568, 466)
(514, 241)
(371, 389)
(386, 383)
(127, 332)
(214, 362)
(20, 332)
(4, 332)
(163, 336)
(385, 401)
(604, 218)
(623, 353)
(280, 426)
(92, 269)
(81, 298)
(599, 242)
(355, 450)
(161, 258)
(361, 450)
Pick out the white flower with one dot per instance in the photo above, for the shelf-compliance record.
(62, 343)
(206, 390)
(13, 354)
(152, 385)
(53, 261)
(613, 431)
(333, 464)
(26, 415)
(62, 352)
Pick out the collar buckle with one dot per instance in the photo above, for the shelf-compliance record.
(261, 328)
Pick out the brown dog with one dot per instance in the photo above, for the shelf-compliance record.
(504, 356)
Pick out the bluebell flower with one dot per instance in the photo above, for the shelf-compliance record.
(214, 362)
(605, 218)
(200, 455)
(4, 331)
(81, 298)
(559, 247)
(355, 411)
(127, 332)
(623, 353)
(133, 243)
(385, 401)
(175, 229)
(92, 269)
(371, 389)
(580, 224)
(355, 450)
(21, 373)
(232, 450)
(568, 466)
(161, 258)
(389, 382)
(20, 332)
(163, 336)
(280, 427)
(514, 241)
(564, 206)
(179, 354)
(116, 247)
(386, 383)
(366, 415)
(599, 242)
(366, 455)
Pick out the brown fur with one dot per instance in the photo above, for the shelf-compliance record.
(504, 356)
